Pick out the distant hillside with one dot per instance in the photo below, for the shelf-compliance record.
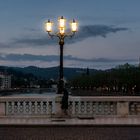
(46, 73)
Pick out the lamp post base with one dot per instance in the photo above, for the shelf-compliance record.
(60, 113)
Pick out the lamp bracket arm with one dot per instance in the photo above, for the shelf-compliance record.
(70, 34)
(52, 34)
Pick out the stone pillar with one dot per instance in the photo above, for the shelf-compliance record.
(58, 110)
(122, 109)
(2, 109)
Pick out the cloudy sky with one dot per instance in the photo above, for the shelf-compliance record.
(108, 35)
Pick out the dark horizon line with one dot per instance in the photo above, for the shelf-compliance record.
(67, 67)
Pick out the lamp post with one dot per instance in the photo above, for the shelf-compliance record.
(61, 35)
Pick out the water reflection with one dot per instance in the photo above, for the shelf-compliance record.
(28, 92)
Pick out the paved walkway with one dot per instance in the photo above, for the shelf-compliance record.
(36, 128)
(69, 121)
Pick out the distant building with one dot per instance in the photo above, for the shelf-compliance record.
(5, 81)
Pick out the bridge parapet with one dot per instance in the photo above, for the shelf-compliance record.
(87, 106)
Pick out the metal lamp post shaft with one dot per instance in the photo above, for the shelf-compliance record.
(61, 69)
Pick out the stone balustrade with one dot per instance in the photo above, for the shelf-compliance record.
(50, 106)
(27, 106)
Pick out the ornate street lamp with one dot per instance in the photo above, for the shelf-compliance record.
(61, 34)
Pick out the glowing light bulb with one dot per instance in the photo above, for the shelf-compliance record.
(62, 22)
(74, 26)
(48, 26)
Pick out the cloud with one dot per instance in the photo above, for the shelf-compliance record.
(83, 33)
(4, 45)
(28, 57)
(18, 60)
(98, 30)
(51, 58)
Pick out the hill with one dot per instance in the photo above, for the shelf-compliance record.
(45, 73)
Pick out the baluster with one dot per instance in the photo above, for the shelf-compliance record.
(93, 108)
(25, 104)
(18, 106)
(12, 112)
(115, 108)
(35, 107)
(99, 108)
(73, 107)
(102, 108)
(76, 107)
(111, 108)
(53, 107)
(30, 108)
(41, 107)
(45, 107)
(109, 113)
(26, 107)
(96, 108)
(85, 107)
(38, 107)
(90, 108)
(21, 108)
(79, 107)
(50, 107)
(70, 107)
(132, 108)
(47, 104)
(82, 109)
(107, 108)
(15, 108)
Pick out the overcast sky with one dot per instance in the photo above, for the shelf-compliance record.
(109, 33)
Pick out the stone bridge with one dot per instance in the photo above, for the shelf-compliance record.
(89, 118)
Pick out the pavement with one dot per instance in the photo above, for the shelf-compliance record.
(65, 128)
(66, 121)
